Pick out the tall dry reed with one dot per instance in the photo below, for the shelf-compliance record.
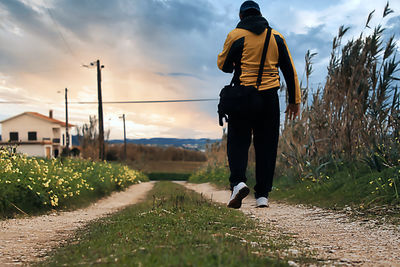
(355, 116)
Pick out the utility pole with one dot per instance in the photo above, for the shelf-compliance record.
(66, 122)
(101, 124)
(123, 118)
(100, 103)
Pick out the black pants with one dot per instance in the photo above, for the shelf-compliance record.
(263, 126)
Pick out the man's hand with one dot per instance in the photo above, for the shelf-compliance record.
(221, 117)
(292, 110)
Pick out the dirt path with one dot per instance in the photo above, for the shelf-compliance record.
(26, 240)
(333, 235)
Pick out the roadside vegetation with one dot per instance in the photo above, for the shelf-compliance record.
(144, 153)
(216, 170)
(167, 166)
(178, 227)
(30, 185)
(163, 176)
(158, 163)
(347, 139)
(344, 149)
(216, 173)
(137, 154)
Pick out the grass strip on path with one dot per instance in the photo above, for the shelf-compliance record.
(176, 227)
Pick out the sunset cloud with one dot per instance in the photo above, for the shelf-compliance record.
(152, 50)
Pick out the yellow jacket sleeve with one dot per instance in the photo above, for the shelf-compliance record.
(289, 72)
(224, 63)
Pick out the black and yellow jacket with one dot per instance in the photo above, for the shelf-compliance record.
(242, 54)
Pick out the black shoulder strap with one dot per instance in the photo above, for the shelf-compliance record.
(264, 55)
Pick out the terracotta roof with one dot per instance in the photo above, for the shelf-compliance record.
(43, 117)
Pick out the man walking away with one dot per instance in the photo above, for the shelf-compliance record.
(242, 54)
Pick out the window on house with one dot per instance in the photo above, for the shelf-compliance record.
(32, 136)
(14, 136)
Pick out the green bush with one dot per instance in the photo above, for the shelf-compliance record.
(214, 173)
(164, 176)
(218, 174)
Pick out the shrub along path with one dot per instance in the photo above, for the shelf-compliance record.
(28, 239)
(334, 236)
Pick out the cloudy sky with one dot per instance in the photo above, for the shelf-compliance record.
(152, 50)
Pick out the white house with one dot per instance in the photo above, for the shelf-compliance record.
(35, 134)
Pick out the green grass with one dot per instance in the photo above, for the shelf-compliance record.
(175, 227)
(355, 188)
(355, 185)
(216, 174)
(352, 185)
(32, 185)
(219, 175)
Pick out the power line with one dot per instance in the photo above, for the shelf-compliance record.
(147, 101)
(129, 101)
(117, 102)
(60, 33)
(13, 102)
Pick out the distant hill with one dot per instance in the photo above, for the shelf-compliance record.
(196, 144)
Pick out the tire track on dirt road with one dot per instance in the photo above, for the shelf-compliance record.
(30, 239)
(334, 236)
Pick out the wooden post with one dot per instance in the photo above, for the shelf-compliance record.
(123, 118)
(67, 139)
(100, 102)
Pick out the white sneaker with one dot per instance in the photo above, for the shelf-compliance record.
(262, 202)
(238, 193)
